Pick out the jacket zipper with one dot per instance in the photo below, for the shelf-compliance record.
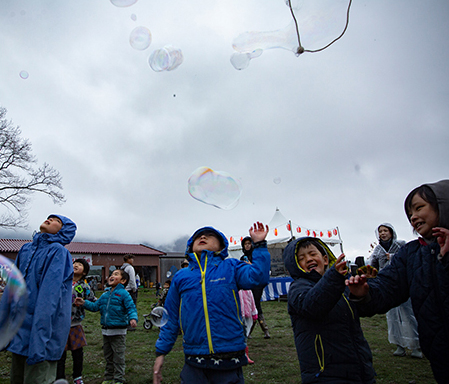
(206, 313)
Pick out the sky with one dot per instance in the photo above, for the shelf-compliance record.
(334, 138)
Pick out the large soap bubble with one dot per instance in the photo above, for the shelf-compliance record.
(167, 58)
(316, 25)
(215, 188)
(241, 60)
(123, 3)
(159, 316)
(140, 38)
(13, 300)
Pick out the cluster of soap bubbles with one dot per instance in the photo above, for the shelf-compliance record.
(159, 316)
(315, 26)
(215, 188)
(167, 58)
(13, 300)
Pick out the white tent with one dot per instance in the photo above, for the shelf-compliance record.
(281, 232)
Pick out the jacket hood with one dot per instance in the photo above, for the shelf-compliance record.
(388, 225)
(291, 262)
(65, 235)
(223, 253)
(441, 190)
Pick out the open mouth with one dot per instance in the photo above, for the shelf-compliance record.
(312, 266)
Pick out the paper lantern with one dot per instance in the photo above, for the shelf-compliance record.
(275, 231)
(335, 231)
(289, 227)
(329, 233)
(231, 240)
(321, 233)
(308, 232)
(314, 234)
(298, 229)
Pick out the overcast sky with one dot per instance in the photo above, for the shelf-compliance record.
(336, 138)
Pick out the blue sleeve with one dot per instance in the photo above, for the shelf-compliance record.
(54, 297)
(94, 306)
(256, 274)
(131, 309)
(169, 332)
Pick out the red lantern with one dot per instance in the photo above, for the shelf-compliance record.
(329, 233)
(231, 240)
(314, 234)
(335, 231)
(275, 231)
(308, 232)
(241, 238)
(321, 233)
(298, 229)
(289, 227)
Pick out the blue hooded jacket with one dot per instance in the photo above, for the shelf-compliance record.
(116, 307)
(203, 299)
(48, 272)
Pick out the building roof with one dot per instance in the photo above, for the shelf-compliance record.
(14, 245)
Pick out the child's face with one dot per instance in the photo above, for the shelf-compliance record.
(51, 225)
(310, 258)
(247, 245)
(166, 286)
(206, 242)
(78, 268)
(384, 233)
(422, 216)
(116, 278)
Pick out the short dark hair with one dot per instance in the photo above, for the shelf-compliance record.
(86, 266)
(168, 282)
(125, 276)
(427, 194)
(127, 257)
(307, 243)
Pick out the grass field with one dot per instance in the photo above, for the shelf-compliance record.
(275, 359)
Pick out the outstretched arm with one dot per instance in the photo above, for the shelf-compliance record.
(358, 285)
(258, 232)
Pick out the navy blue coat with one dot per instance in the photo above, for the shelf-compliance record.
(329, 340)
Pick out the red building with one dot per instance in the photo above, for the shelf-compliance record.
(103, 256)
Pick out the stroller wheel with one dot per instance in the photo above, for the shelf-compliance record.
(147, 324)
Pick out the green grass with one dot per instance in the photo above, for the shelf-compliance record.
(276, 359)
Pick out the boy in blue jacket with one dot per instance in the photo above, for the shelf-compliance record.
(117, 312)
(48, 272)
(329, 340)
(203, 303)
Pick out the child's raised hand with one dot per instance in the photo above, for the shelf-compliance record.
(442, 235)
(258, 232)
(340, 265)
(79, 301)
(358, 285)
(368, 271)
(133, 323)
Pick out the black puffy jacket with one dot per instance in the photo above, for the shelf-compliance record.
(329, 340)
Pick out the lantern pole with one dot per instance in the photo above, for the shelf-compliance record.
(341, 241)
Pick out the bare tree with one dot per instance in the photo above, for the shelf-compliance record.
(19, 177)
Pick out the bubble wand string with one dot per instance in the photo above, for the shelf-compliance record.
(301, 48)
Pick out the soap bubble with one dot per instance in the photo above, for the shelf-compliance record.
(320, 22)
(133, 17)
(24, 75)
(167, 58)
(13, 300)
(241, 60)
(140, 38)
(277, 180)
(218, 189)
(123, 3)
(159, 316)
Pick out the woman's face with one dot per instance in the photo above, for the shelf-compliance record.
(384, 233)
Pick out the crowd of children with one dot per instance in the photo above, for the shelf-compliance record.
(324, 303)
